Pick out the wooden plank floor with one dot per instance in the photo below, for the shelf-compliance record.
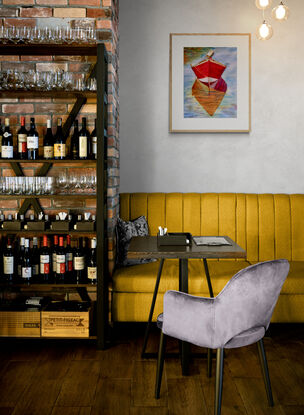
(73, 378)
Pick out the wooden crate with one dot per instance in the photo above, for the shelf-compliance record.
(65, 323)
(20, 323)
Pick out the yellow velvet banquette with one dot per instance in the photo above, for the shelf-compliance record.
(267, 226)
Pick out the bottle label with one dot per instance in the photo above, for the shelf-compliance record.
(69, 261)
(44, 264)
(26, 272)
(8, 264)
(59, 150)
(83, 148)
(22, 143)
(78, 263)
(7, 152)
(48, 152)
(92, 273)
(54, 260)
(60, 264)
(32, 142)
(94, 146)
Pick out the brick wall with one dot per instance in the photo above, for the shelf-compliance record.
(102, 14)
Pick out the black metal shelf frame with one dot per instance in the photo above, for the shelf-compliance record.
(99, 71)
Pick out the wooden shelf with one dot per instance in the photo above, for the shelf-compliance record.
(53, 161)
(47, 338)
(48, 232)
(54, 196)
(49, 49)
(47, 286)
(47, 94)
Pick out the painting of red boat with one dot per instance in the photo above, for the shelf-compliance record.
(207, 93)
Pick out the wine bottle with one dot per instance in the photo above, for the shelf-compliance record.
(92, 263)
(26, 267)
(8, 262)
(32, 141)
(45, 261)
(94, 142)
(20, 259)
(59, 142)
(35, 260)
(74, 152)
(79, 263)
(84, 139)
(69, 259)
(54, 256)
(7, 148)
(1, 135)
(48, 142)
(22, 140)
(60, 260)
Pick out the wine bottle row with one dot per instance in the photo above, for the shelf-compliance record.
(83, 145)
(67, 222)
(59, 262)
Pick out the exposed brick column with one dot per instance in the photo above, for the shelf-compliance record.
(102, 14)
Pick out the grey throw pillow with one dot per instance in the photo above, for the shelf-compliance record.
(124, 232)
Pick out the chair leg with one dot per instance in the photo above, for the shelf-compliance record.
(209, 363)
(265, 371)
(219, 381)
(160, 363)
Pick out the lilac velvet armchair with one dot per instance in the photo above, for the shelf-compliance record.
(238, 316)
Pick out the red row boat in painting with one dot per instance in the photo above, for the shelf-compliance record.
(209, 88)
(209, 71)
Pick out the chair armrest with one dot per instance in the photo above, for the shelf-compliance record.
(189, 318)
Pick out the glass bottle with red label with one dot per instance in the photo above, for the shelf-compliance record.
(60, 260)
(45, 261)
(69, 260)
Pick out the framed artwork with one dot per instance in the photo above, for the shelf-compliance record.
(210, 82)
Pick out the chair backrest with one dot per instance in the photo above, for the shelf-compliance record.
(248, 299)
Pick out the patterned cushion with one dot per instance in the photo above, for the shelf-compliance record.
(125, 231)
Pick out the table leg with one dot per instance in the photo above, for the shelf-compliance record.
(183, 286)
(160, 268)
(208, 278)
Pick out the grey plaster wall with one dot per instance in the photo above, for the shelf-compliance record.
(268, 159)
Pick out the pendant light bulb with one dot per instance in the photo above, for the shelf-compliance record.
(264, 31)
(281, 12)
(263, 4)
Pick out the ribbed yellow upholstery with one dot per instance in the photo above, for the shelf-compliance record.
(267, 226)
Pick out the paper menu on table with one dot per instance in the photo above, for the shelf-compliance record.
(211, 240)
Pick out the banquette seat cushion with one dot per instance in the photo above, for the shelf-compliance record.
(267, 226)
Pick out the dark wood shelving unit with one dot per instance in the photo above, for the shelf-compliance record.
(99, 71)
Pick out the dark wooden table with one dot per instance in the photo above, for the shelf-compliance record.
(146, 247)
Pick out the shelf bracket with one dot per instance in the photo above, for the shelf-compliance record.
(17, 168)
